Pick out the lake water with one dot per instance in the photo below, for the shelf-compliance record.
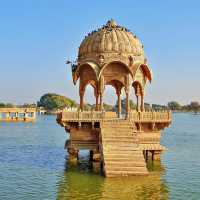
(33, 166)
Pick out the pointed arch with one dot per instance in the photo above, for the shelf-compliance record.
(135, 84)
(145, 69)
(118, 62)
(95, 68)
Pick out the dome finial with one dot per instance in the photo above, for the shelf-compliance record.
(111, 23)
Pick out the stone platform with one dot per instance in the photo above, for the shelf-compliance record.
(121, 145)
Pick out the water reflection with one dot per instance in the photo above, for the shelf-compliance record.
(80, 182)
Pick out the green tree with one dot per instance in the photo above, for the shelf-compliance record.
(132, 105)
(10, 105)
(28, 105)
(147, 106)
(107, 107)
(158, 107)
(53, 101)
(174, 105)
(195, 106)
(2, 105)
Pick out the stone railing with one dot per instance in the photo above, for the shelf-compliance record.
(17, 114)
(163, 116)
(155, 116)
(86, 115)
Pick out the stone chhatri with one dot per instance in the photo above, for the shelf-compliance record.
(112, 55)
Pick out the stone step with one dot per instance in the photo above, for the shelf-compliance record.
(118, 126)
(124, 168)
(111, 128)
(118, 132)
(124, 158)
(120, 148)
(121, 153)
(134, 146)
(131, 137)
(121, 121)
(119, 137)
(125, 164)
(116, 121)
(118, 151)
(111, 173)
(122, 140)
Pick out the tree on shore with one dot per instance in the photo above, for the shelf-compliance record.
(147, 107)
(174, 105)
(195, 106)
(51, 101)
(158, 107)
(7, 105)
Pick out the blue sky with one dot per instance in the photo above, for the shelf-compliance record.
(37, 36)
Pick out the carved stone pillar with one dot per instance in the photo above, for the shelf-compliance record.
(82, 86)
(137, 94)
(127, 104)
(81, 101)
(81, 94)
(101, 92)
(127, 86)
(97, 103)
(138, 107)
(142, 103)
(101, 101)
(97, 100)
(119, 103)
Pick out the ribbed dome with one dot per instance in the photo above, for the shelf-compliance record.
(111, 38)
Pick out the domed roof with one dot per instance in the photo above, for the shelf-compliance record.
(111, 38)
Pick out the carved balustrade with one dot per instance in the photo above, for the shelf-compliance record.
(151, 116)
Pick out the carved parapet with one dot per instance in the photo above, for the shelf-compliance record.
(137, 117)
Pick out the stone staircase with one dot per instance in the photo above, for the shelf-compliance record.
(120, 149)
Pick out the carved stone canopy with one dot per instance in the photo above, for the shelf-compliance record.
(111, 42)
(111, 55)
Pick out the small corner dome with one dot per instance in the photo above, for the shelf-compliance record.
(109, 40)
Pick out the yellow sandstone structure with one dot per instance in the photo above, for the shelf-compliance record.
(17, 114)
(112, 55)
